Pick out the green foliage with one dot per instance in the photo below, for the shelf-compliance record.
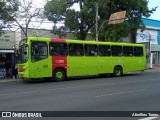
(83, 21)
(61, 31)
(78, 21)
(113, 34)
(135, 9)
(55, 10)
(7, 10)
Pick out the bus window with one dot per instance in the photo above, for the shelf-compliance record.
(76, 49)
(117, 51)
(138, 51)
(58, 49)
(104, 50)
(91, 50)
(127, 51)
(39, 51)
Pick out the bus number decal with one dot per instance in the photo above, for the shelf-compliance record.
(59, 61)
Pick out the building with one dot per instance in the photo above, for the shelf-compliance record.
(151, 37)
(49, 34)
(7, 45)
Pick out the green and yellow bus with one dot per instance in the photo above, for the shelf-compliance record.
(60, 58)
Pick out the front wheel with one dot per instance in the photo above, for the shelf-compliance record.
(59, 75)
(117, 71)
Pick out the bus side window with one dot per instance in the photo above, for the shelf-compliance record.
(138, 51)
(104, 50)
(76, 49)
(117, 50)
(91, 50)
(58, 49)
(127, 51)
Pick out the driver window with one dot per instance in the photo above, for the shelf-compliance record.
(38, 51)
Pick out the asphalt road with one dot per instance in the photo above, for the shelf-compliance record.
(132, 92)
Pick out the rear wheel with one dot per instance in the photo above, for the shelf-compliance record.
(117, 71)
(59, 75)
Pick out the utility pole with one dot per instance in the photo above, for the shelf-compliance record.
(150, 54)
(82, 20)
(96, 21)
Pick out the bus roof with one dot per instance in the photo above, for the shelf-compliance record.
(85, 41)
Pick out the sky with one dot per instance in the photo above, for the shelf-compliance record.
(152, 4)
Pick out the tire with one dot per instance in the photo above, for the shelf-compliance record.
(59, 75)
(118, 71)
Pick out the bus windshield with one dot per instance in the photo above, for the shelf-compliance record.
(23, 53)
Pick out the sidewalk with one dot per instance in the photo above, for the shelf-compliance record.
(154, 69)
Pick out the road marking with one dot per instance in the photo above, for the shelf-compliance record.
(149, 118)
(120, 93)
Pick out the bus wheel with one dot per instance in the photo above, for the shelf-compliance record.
(58, 75)
(117, 71)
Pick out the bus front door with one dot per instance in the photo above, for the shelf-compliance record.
(40, 69)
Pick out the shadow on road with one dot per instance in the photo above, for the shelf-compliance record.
(90, 77)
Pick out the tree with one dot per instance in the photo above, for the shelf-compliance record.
(7, 10)
(55, 12)
(61, 31)
(80, 22)
(83, 21)
(135, 10)
(25, 14)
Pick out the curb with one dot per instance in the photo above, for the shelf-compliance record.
(153, 69)
(10, 80)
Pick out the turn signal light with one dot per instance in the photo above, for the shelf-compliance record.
(21, 69)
